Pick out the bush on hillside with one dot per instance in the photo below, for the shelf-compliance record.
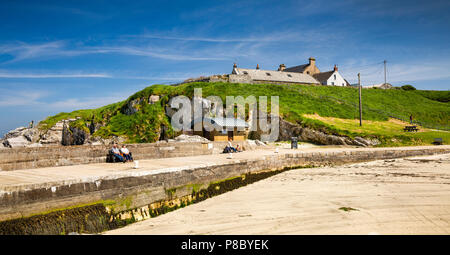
(408, 87)
(436, 95)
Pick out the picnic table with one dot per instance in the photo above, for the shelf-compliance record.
(411, 129)
(438, 141)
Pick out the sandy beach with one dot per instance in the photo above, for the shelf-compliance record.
(396, 196)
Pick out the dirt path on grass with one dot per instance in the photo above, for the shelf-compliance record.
(401, 196)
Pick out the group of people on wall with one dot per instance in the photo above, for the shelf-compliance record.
(122, 154)
(230, 148)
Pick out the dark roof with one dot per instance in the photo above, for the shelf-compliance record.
(347, 83)
(322, 77)
(221, 122)
(275, 76)
(296, 69)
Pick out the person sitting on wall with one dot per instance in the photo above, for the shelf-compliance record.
(116, 153)
(126, 153)
(231, 146)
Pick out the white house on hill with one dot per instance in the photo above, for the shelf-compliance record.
(332, 78)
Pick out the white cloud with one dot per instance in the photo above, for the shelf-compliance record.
(72, 104)
(20, 98)
(176, 47)
(398, 72)
(39, 100)
(21, 75)
(285, 35)
(24, 51)
(148, 52)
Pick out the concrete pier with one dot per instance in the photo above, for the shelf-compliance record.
(130, 191)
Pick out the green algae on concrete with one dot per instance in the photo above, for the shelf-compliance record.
(104, 215)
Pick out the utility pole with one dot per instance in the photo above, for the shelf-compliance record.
(385, 72)
(360, 104)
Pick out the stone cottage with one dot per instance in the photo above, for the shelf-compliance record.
(244, 75)
(302, 74)
(309, 68)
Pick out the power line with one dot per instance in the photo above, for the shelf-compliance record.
(368, 65)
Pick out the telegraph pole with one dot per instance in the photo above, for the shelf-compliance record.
(385, 72)
(360, 104)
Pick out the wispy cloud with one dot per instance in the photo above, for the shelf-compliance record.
(400, 9)
(397, 72)
(41, 100)
(71, 104)
(149, 52)
(10, 97)
(59, 8)
(177, 76)
(176, 47)
(285, 35)
(24, 51)
(17, 75)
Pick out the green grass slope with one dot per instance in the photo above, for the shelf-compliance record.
(440, 96)
(295, 101)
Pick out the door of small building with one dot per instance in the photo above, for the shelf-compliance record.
(230, 135)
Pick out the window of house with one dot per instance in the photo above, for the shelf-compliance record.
(268, 74)
(289, 75)
(335, 76)
(307, 72)
(245, 72)
(332, 83)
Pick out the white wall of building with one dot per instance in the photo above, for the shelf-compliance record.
(336, 80)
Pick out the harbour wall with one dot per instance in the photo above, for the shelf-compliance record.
(51, 156)
(103, 203)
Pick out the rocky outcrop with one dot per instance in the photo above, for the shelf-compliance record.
(61, 133)
(19, 141)
(93, 140)
(207, 107)
(20, 137)
(53, 135)
(132, 107)
(73, 136)
(289, 130)
(153, 99)
(190, 138)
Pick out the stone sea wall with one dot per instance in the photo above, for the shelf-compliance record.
(50, 156)
(98, 205)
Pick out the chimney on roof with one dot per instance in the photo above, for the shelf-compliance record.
(257, 66)
(282, 67)
(335, 68)
(312, 61)
(234, 65)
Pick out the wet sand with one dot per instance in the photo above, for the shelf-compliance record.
(397, 196)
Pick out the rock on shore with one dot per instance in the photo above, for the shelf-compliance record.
(21, 137)
(288, 130)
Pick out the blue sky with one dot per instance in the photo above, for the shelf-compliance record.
(65, 55)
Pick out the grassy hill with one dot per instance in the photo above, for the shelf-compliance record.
(440, 96)
(298, 104)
